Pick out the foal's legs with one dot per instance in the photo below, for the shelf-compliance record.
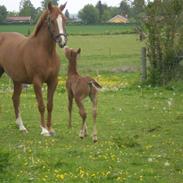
(37, 89)
(16, 102)
(70, 99)
(83, 116)
(94, 103)
(51, 89)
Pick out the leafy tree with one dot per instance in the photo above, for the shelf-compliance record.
(44, 3)
(3, 13)
(114, 11)
(99, 6)
(106, 13)
(13, 13)
(89, 14)
(163, 24)
(27, 9)
(124, 7)
(138, 7)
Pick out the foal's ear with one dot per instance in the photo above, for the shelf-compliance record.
(63, 6)
(79, 51)
(50, 7)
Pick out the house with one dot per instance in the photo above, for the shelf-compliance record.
(18, 19)
(118, 19)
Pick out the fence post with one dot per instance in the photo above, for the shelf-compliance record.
(143, 65)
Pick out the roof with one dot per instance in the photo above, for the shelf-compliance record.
(118, 19)
(19, 18)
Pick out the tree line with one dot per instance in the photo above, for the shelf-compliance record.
(89, 14)
(26, 8)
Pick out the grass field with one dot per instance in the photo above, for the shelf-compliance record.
(139, 128)
(76, 29)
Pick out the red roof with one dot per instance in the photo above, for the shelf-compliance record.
(19, 18)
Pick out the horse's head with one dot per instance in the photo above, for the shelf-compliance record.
(72, 54)
(56, 24)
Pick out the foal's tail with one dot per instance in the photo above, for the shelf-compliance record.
(94, 84)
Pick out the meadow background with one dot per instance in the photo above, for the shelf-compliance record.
(139, 126)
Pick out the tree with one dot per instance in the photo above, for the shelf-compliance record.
(124, 7)
(89, 14)
(99, 6)
(138, 7)
(114, 11)
(163, 24)
(106, 13)
(3, 13)
(13, 13)
(44, 3)
(27, 9)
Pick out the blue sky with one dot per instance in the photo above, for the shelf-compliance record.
(72, 5)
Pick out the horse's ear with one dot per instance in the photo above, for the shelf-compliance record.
(79, 51)
(50, 7)
(63, 6)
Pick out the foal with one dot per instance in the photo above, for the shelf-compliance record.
(79, 87)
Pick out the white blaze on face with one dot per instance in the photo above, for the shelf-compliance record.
(60, 27)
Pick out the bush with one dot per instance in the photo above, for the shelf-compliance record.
(162, 23)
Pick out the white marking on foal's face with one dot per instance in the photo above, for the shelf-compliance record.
(61, 29)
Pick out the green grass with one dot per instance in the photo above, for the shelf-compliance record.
(139, 128)
(140, 140)
(76, 29)
(104, 54)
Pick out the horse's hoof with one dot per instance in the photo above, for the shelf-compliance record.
(45, 132)
(81, 137)
(86, 134)
(95, 139)
(52, 133)
(24, 130)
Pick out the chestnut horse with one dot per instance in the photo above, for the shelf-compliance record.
(79, 87)
(33, 60)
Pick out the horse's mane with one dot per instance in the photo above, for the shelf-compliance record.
(40, 23)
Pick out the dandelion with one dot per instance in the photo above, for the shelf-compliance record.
(60, 176)
(150, 159)
(141, 177)
(93, 175)
(166, 163)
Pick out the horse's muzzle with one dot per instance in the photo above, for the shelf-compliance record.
(62, 45)
(61, 39)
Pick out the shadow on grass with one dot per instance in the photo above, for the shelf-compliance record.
(5, 173)
(127, 142)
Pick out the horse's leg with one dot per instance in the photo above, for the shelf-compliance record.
(38, 92)
(70, 99)
(1, 71)
(94, 103)
(51, 89)
(83, 116)
(16, 102)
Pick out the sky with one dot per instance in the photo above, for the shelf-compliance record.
(73, 6)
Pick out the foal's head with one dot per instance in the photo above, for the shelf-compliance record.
(56, 24)
(72, 54)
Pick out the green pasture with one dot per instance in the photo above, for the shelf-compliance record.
(76, 29)
(139, 127)
(105, 54)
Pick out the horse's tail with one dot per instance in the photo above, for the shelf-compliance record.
(94, 84)
(1, 71)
